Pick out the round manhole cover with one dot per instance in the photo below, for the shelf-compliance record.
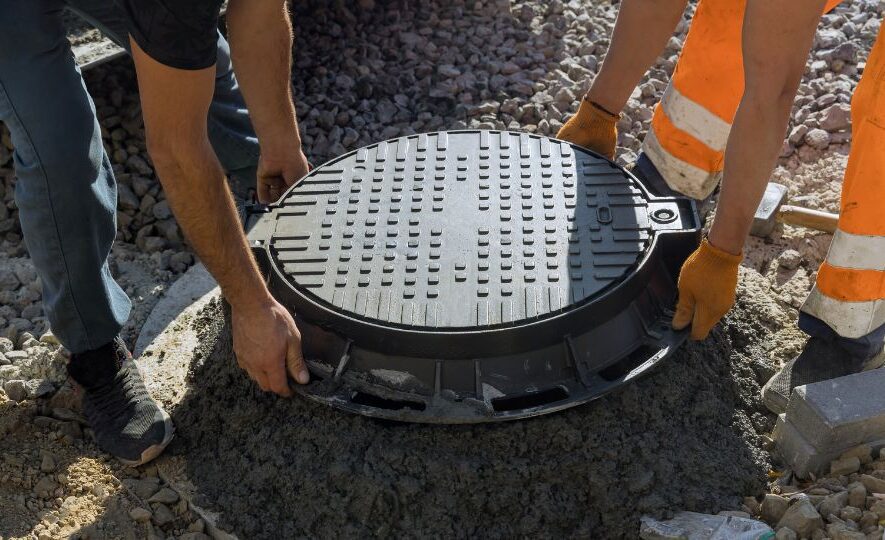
(418, 263)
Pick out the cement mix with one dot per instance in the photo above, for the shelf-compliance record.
(687, 437)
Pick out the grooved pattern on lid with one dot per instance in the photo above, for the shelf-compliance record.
(458, 230)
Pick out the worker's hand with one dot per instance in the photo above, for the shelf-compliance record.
(267, 345)
(276, 173)
(593, 128)
(707, 284)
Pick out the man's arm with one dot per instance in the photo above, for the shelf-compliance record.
(642, 30)
(640, 34)
(261, 48)
(175, 104)
(777, 35)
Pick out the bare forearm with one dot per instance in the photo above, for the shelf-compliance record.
(195, 186)
(261, 48)
(641, 32)
(753, 147)
(777, 36)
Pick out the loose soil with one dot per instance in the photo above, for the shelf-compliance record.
(688, 437)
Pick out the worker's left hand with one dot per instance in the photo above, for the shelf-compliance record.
(275, 174)
(707, 284)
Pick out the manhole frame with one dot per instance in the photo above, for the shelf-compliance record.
(340, 335)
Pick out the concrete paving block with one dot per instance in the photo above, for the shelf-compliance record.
(825, 419)
(847, 411)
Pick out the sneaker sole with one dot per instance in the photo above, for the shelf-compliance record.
(152, 452)
(777, 403)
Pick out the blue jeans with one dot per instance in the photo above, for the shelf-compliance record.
(66, 192)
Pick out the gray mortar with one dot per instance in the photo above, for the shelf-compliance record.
(685, 437)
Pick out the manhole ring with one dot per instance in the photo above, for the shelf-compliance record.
(474, 275)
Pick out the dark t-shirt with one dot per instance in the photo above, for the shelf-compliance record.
(178, 33)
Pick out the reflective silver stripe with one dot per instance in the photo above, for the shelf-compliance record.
(695, 120)
(679, 175)
(857, 251)
(848, 319)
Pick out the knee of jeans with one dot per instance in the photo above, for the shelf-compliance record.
(73, 149)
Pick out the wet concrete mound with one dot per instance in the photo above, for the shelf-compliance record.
(686, 437)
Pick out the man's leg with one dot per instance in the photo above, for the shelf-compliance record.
(845, 312)
(67, 201)
(686, 142)
(66, 191)
(230, 130)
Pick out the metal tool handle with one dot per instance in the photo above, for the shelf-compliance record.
(805, 217)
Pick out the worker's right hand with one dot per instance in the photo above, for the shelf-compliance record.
(267, 345)
(707, 284)
(276, 172)
(593, 128)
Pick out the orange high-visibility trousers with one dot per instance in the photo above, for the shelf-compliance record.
(691, 124)
(850, 291)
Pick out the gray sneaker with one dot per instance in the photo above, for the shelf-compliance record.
(820, 360)
(127, 422)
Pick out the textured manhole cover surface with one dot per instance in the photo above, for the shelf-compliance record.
(474, 275)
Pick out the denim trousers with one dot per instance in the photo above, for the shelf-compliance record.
(65, 190)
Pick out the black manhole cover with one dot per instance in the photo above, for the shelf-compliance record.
(470, 276)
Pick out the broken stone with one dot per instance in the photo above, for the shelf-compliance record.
(47, 464)
(879, 509)
(45, 487)
(162, 514)
(143, 488)
(863, 452)
(844, 466)
(789, 259)
(165, 496)
(71, 429)
(833, 504)
(857, 494)
(817, 138)
(785, 533)
(197, 526)
(752, 505)
(873, 484)
(868, 519)
(773, 508)
(139, 514)
(848, 534)
(16, 390)
(852, 513)
(802, 518)
(37, 388)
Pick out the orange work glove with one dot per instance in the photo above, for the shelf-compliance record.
(707, 284)
(592, 127)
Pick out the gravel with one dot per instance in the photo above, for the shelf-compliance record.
(843, 505)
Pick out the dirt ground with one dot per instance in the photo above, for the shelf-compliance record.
(690, 436)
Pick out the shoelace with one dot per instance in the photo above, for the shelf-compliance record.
(115, 396)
